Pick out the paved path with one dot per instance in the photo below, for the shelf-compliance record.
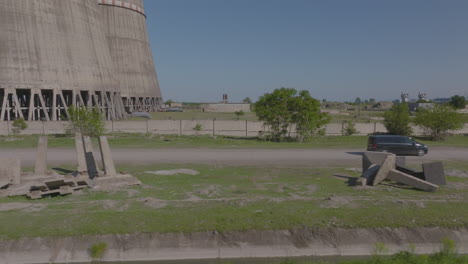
(262, 157)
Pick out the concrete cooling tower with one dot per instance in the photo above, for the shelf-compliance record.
(58, 53)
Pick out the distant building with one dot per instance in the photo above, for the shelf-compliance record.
(404, 98)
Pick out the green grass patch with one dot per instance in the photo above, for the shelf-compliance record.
(226, 198)
(130, 140)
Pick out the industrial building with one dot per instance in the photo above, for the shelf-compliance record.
(58, 53)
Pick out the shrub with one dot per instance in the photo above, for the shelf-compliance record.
(87, 121)
(19, 125)
(350, 128)
(97, 250)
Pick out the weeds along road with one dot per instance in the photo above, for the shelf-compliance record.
(263, 157)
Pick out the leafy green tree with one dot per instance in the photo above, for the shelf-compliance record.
(87, 121)
(458, 102)
(437, 121)
(397, 120)
(358, 101)
(284, 108)
(247, 100)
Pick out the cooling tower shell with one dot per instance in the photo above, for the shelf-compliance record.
(57, 53)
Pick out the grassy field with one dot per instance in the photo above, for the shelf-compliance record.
(174, 141)
(237, 198)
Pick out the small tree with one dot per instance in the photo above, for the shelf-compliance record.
(437, 121)
(458, 102)
(239, 114)
(87, 121)
(19, 125)
(284, 108)
(247, 100)
(169, 102)
(397, 120)
(350, 128)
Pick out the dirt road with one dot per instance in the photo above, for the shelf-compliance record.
(277, 157)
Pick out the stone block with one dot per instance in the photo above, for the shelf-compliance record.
(400, 161)
(80, 153)
(372, 157)
(53, 185)
(385, 168)
(434, 173)
(404, 178)
(40, 167)
(106, 157)
(10, 171)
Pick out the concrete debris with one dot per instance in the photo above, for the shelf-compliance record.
(434, 173)
(381, 166)
(10, 172)
(404, 178)
(43, 183)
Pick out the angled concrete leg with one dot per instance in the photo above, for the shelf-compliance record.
(404, 178)
(91, 163)
(40, 166)
(80, 153)
(106, 156)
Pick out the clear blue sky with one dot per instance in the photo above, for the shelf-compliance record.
(336, 49)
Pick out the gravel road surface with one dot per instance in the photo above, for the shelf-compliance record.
(277, 157)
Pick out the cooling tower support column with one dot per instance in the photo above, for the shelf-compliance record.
(53, 104)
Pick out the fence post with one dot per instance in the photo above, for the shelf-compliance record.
(375, 127)
(214, 126)
(246, 129)
(180, 127)
(342, 128)
(8, 127)
(147, 126)
(112, 122)
(43, 128)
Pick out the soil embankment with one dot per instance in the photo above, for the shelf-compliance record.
(206, 245)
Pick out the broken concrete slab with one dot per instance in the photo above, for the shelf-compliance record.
(10, 171)
(80, 153)
(40, 167)
(385, 168)
(372, 157)
(434, 173)
(106, 157)
(404, 178)
(370, 173)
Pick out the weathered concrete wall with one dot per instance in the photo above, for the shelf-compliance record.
(225, 108)
(239, 128)
(130, 49)
(51, 44)
(219, 245)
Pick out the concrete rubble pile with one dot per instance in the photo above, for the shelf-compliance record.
(378, 166)
(44, 183)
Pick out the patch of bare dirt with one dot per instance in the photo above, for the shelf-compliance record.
(174, 172)
(209, 191)
(28, 207)
(456, 173)
(153, 202)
